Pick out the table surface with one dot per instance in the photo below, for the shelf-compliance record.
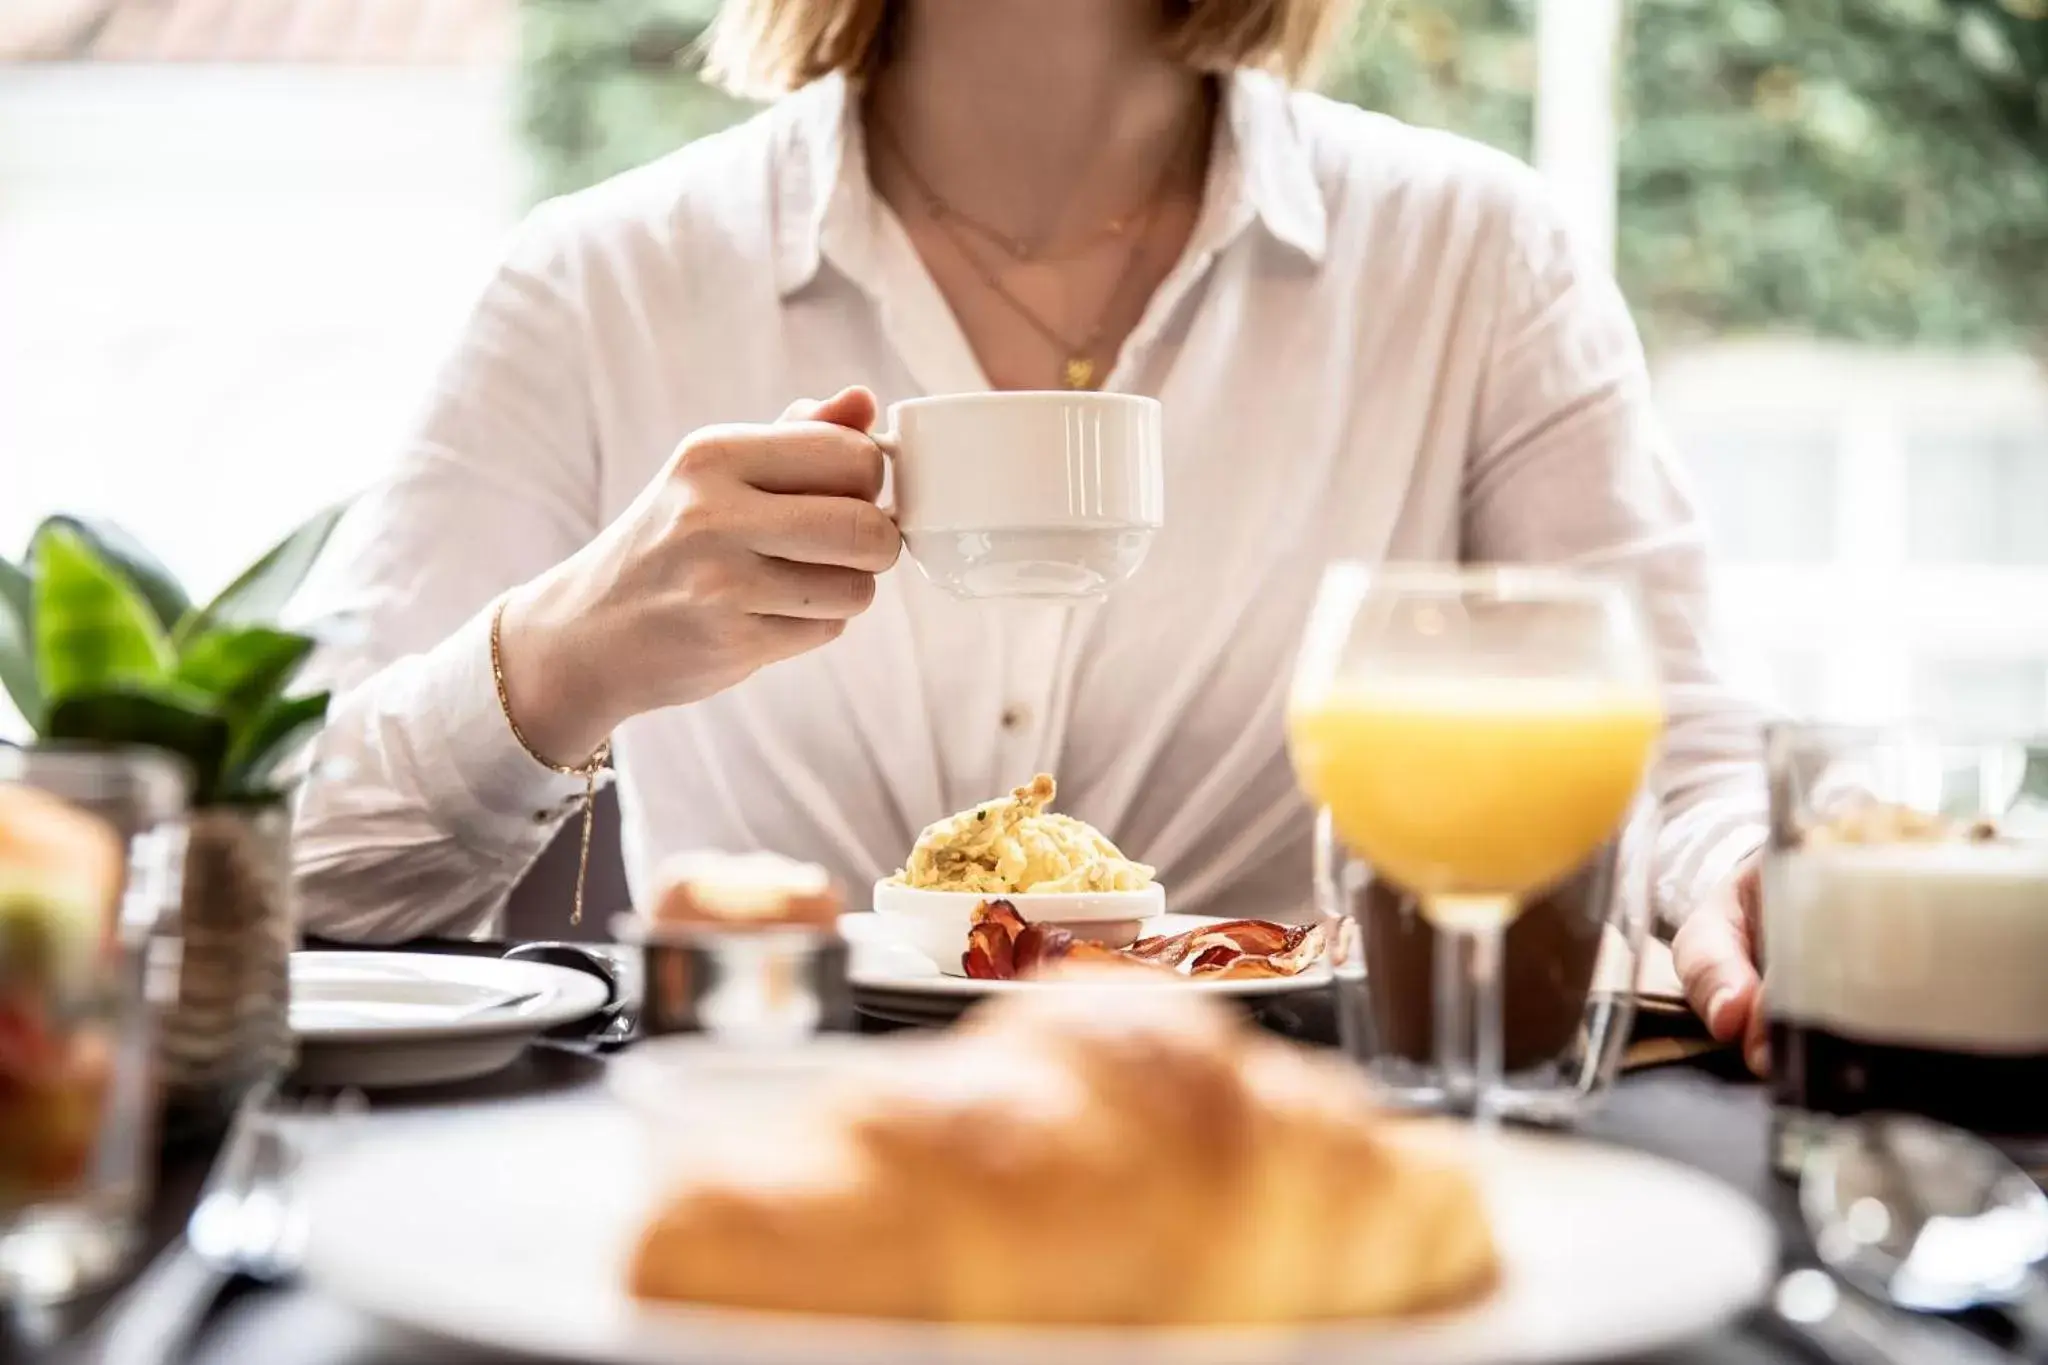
(1700, 1114)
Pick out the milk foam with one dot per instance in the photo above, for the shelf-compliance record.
(1918, 945)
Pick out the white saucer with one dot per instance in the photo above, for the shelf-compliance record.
(513, 1238)
(397, 1019)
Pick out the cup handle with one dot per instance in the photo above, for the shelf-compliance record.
(892, 450)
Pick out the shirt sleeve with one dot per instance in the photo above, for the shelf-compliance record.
(1570, 465)
(422, 810)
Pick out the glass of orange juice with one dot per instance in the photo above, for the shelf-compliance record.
(1475, 736)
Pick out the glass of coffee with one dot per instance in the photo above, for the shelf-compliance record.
(1568, 967)
(1905, 932)
(91, 856)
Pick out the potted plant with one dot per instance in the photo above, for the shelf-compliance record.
(101, 645)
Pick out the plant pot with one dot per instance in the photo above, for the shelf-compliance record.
(227, 1029)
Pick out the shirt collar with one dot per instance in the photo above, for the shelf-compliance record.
(824, 206)
(1276, 168)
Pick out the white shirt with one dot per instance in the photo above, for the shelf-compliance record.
(1378, 344)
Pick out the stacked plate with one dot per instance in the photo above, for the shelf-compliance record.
(400, 1019)
(895, 983)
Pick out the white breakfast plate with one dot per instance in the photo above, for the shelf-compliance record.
(515, 1237)
(398, 1019)
(882, 963)
(895, 982)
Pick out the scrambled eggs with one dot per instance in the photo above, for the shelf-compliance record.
(1014, 844)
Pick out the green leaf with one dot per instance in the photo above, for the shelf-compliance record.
(260, 594)
(18, 642)
(161, 717)
(272, 738)
(144, 571)
(242, 667)
(93, 630)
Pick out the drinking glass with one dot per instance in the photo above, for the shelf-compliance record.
(1475, 734)
(91, 851)
(1905, 931)
(1569, 966)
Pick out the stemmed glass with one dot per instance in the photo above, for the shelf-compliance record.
(1474, 735)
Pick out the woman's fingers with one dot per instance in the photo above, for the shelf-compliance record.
(810, 592)
(1756, 1042)
(854, 408)
(785, 637)
(852, 533)
(1715, 955)
(788, 457)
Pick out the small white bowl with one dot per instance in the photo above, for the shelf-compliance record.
(936, 922)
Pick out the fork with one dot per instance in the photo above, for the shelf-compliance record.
(249, 1220)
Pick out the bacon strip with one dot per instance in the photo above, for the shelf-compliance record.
(992, 942)
(1215, 946)
(1041, 945)
(1002, 947)
(1303, 953)
(1288, 962)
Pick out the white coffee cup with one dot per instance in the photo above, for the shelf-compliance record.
(1027, 494)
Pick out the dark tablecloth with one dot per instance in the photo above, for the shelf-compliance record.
(1703, 1114)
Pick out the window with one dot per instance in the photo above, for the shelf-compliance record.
(230, 252)
(1994, 694)
(1814, 264)
(1795, 682)
(1839, 296)
(1978, 496)
(1768, 491)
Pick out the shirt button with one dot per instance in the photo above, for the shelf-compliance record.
(1016, 717)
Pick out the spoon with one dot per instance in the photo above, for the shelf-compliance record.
(1930, 1219)
(1845, 1328)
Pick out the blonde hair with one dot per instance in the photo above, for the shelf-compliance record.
(764, 48)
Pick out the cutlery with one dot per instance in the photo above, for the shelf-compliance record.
(615, 1023)
(247, 1221)
(1930, 1219)
(1847, 1329)
(503, 1002)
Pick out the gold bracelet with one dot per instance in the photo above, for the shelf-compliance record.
(589, 770)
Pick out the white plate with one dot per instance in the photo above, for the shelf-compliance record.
(883, 963)
(395, 1019)
(515, 1237)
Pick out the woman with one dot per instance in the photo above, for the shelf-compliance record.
(1371, 342)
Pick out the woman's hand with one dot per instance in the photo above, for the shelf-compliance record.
(1715, 953)
(755, 543)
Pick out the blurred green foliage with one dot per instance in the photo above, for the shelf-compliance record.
(1869, 169)
(1875, 170)
(609, 84)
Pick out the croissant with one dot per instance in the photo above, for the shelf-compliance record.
(1088, 1154)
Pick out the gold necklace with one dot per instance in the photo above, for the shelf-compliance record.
(1077, 365)
(1022, 249)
